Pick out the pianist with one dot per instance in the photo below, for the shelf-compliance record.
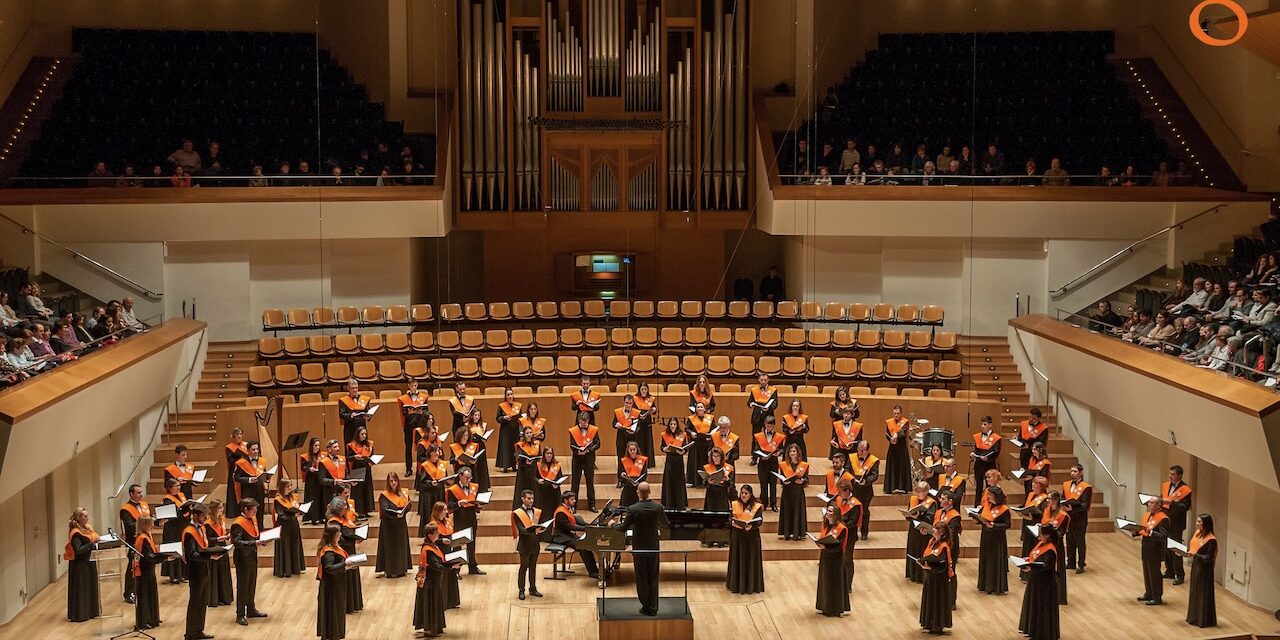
(643, 520)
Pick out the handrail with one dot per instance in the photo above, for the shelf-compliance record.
(164, 415)
(80, 256)
(1127, 250)
(1059, 403)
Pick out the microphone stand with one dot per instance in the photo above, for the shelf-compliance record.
(135, 632)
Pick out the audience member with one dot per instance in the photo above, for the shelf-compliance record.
(966, 161)
(743, 287)
(993, 163)
(1196, 302)
(186, 157)
(771, 287)
(1105, 319)
(1055, 175)
(1161, 332)
(1129, 177)
(181, 178)
(31, 305)
(943, 161)
(157, 178)
(1162, 177)
(127, 318)
(1030, 175)
(897, 160)
(828, 160)
(850, 156)
(1175, 298)
(100, 176)
(1105, 179)
(8, 318)
(824, 176)
(920, 160)
(258, 180)
(129, 178)
(856, 175)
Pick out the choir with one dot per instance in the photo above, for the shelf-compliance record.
(700, 451)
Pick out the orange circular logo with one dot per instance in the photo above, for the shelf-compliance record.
(1194, 22)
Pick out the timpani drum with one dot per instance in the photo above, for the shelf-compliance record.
(943, 437)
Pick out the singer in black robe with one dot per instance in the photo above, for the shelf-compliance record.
(394, 557)
(993, 546)
(82, 578)
(429, 599)
(1039, 619)
(197, 553)
(1202, 610)
(312, 491)
(244, 538)
(674, 493)
(832, 599)
(746, 559)
(147, 592)
(331, 613)
(935, 596)
(289, 559)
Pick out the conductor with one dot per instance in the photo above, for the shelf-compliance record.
(643, 519)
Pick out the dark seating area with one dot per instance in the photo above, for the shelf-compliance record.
(135, 96)
(1036, 95)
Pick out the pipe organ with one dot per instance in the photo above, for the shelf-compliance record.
(602, 105)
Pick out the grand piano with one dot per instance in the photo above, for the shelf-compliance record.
(708, 527)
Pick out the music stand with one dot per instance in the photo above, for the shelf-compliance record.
(295, 441)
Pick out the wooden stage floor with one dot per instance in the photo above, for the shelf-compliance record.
(885, 605)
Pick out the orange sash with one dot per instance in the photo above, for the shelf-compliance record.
(362, 450)
(537, 425)
(546, 472)
(837, 531)
(250, 526)
(320, 559)
(398, 499)
(861, 468)
(1197, 541)
(445, 527)
(1034, 499)
(1042, 548)
(801, 469)
(1074, 492)
(197, 533)
(1152, 520)
(1028, 432)
(583, 402)
(530, 449)
(464, 495)
(624, 420)
(143, 509)
(675, 441)
(1177, 495)
(634, 468)
(955, 482)
(760, 395)
(358, 404)
(791, 423)
(435, 470)
(510, 408)
(521, 517)
(427, 549)
(580, 439)
(1058, 520)
(740, 514)
(940, 549)
(463, 405)
(769, 445)
(641, 403)
(68, 553)
(184, 472)
(140, 542)
(337, 468)
(833, 482)
(702, 399)
(1039, 464)
(701, 426)
(985, 442)
(894, 427)
(723, 444)
(990, 513)
(847, 436)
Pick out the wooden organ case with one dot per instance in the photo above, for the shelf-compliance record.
(602, 106)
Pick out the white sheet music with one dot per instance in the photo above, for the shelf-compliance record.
(372, 411)
(376, 458)
(1144, 498)
(362, 532)
(462, 534)
(457, 556)
(171, 547)
(306, 506)
(1034, 529)
(484, 497)
(166, 511)
(357, 558)
(107, 538)
(1018, 562)
(199, 475)
(273, 469)
(1170, 543)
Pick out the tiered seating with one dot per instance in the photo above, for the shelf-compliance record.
(591, 311)
(517, 369)
(132, 100)
(567, 340)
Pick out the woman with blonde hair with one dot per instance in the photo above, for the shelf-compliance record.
(82, 574)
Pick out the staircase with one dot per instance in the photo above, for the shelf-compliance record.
(1162, 281)
(28, 107)
(224, 382)
(1174, 123)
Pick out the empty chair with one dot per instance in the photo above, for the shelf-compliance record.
(567, 366)
(373, 314)
(713, 310)
(966, 394)
(451, 312)
(475, 312)
(274, 319)
(834, 312)
(858, 312)
(522, 391)
(388, 394)
(846, 367)
(544, 389)
(500, 311)
(517, 366)
(807, 388)
(617, 366)
(324, 317)
(626, 388)
(894, 340)
(397, 314)
(668, 366)
(739, 310)
(298, 318)
(619, 309)
(594, 309)
(810, 311)
(886, 391)
(907, 313)
(571, 310)
(491, 367)
(646, 337)
(843, 339)
(420, 313)
(546, 339)
(744, 365)
(321, 345)
(786, 389)
(287, 375)
(922, 370)
(729, 387)
(371, 343)
(448, 341)
(396, 343)
(931, 314)
(718, 366)
(571, 338)
(442, 368)
(678, 388)
(720, 337)
(896, 369)
(642, 309)
(311, 374)
(496, 340)
(260, 376)
(521, 339)
(522, 311)
(768, 338)
(348, 316)
(671, 337)
(591, 366)
(691, 309)
(939, 393)
(859, 391)
(337, 372)
(667, 309)
(416, 369)
(390, 370)
(762, 310)
(270, 347)
(295, 347)
(794, 338)
(643, 365)
(871, 368)
(693, 365)
(346, 344)
(821, 367)
(786, 310)
(883, 312)
(595, 338)
(819, 338)
(791, 366)
(621, 337)
(467, 368)
(744, 337)
(944, 341)
(472, 340)
(949, 370)
(868, 339)
(919, 341)
(695, 337)
(255, 402)
(548, 311)
(422, 341)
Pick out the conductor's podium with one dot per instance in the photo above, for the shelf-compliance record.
(620, 619)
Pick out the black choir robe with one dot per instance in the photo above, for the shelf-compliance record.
(394, 557)
(147, 607)
(429, 599)
(245, 551)
(935, 597)
(1202, 609)
(198, 558)
(331, 613)
(289, 559)
(1039, 619)
(832, 598)
(746, 559)
(82, 580)
(993, 555)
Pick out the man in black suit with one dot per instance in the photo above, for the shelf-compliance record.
(643, 520)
